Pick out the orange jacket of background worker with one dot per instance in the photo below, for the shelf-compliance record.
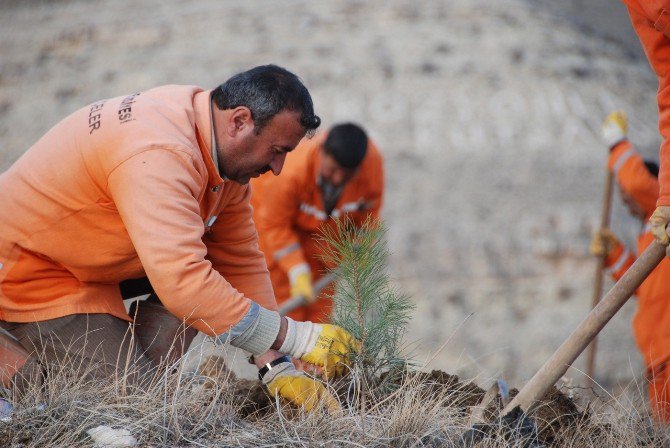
(331, 176)
(651, 20)
(638, 187)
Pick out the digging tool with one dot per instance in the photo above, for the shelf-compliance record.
(515, 416)
(298, 301)
(598, 275)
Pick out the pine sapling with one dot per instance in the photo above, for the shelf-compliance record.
(364, 301)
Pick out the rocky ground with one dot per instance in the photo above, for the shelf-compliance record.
(487, 114)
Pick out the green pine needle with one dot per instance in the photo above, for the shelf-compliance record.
(364, 302)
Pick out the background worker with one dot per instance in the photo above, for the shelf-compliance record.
(155, 185)
(334, 175)
(652, 25)
(638, 186)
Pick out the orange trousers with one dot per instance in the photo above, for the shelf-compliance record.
(659, 392)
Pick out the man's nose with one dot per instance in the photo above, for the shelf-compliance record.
(277, 164)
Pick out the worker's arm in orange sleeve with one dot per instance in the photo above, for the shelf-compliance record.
(618, 261)
(377, 196)
(633, 176)
(233, 250)
(372, 189)
(154, 192)
(657, 48)
(276, 218)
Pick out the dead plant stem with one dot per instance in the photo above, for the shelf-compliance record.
(361, 322)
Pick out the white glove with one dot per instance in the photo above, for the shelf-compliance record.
(614, 128)
(323, 345)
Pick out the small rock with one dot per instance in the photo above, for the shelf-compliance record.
(6, 410)
(105, 436)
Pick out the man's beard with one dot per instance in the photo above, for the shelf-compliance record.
(330, 194)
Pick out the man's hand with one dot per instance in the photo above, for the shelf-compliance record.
(331, 349)
(295, 387)
(300, 279)
(324, 345)
(614, 128)
(603, 243)
(659, 225)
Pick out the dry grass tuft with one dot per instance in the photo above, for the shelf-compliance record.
(214, 408)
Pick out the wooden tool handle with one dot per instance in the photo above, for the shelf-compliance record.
(566, 354)
(298, 301)
(598, 275)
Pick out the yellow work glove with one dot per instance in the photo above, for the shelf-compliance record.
(324, 345)
(300, 279)
(285, 382)
(614, 128)
(659, 222)
(603, 243)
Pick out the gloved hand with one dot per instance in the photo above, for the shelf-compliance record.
(603, 243)
(324, 345)
(300, 280)
(308, 368)
(659, 222)
(286, 382)
(614, 128)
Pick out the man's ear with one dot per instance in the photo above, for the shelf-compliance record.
(240, 120)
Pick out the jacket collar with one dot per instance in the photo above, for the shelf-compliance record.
(202, 105)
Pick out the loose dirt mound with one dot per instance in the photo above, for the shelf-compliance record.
(464, 394)
(556, 418)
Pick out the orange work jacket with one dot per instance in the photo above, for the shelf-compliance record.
(651, 323)
(126, 188)
(651, 20)
(289, 211)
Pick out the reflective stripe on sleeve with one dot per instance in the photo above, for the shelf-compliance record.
(350, 207)
(620, 261)
(312, 210)
(622, 159)
(281, 253)
(210, 221)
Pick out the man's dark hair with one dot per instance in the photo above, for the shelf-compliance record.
(347, 143)
(267, 90)
(652, 167)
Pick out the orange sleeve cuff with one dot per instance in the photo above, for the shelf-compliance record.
(618, 261)
(633, 176)
(292, 259)
(618, 155)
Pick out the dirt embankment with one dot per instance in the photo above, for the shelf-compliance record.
(486, 113)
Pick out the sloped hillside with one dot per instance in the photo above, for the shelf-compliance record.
(487, 114)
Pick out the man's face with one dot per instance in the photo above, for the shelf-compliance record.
(332, 172)
(243, 154)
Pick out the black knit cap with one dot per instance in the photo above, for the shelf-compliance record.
(347, 143)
